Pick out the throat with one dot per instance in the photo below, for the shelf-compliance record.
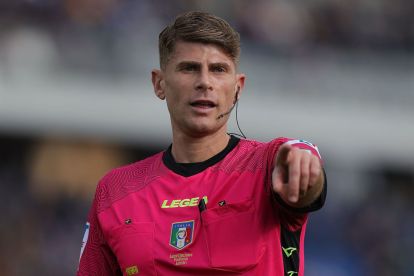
(198, 150)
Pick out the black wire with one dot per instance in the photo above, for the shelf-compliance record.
(237, 121)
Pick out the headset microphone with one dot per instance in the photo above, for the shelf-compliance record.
(236, 98)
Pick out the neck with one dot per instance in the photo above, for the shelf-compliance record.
(186, 149)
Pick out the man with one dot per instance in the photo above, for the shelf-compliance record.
(211, 204)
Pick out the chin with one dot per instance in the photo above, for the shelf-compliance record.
(200, 130)
(199, 126)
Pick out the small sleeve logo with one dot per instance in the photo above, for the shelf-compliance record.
(85, 238)
(305, 145)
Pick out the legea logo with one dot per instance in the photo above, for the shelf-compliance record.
(186, 202)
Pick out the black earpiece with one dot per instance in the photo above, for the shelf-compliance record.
(236, 97)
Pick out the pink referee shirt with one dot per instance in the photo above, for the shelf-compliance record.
(218, 217)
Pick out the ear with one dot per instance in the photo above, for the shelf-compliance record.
(239, 85)
(157, 83)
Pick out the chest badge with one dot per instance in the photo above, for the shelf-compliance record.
(182, 234)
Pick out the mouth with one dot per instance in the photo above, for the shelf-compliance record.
(203, 104)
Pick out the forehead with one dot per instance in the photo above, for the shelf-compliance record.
(199, 52)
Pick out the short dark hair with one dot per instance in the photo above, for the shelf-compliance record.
(199, 27)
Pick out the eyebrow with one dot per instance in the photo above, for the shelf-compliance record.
(184, 64)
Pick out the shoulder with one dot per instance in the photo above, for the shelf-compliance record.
(121, 181)
(252, 154)
(257, 148)
(134, 171)
(249, 155)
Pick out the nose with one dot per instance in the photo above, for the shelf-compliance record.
(203, 82)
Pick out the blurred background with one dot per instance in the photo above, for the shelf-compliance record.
(76, 100)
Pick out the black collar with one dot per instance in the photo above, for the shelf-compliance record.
(190, 169)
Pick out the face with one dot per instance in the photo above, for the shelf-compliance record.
(200, 84)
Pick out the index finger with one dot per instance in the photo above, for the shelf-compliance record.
(294, 176)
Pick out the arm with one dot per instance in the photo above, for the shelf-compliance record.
(297, 176)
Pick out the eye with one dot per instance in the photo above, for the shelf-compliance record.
(218, 69)
(189, 67)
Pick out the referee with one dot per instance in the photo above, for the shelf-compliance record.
(210, 204)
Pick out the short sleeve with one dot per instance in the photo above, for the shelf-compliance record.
(96, 257)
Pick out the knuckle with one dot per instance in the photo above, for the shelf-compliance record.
(316, 161)
(305, 174)
(294, 174)
(304, 181)
(315, 171)
(312, 178)
(294, 149)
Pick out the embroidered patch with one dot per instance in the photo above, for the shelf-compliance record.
(182, 234)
